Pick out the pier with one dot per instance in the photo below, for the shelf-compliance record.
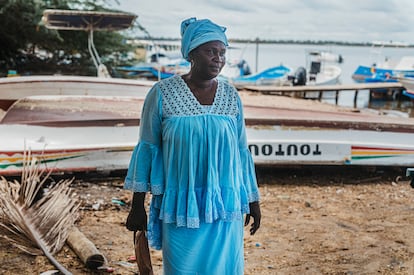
(304, 91)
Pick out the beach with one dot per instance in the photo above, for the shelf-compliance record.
(316, 220)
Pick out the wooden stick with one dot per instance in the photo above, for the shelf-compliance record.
(85, 249)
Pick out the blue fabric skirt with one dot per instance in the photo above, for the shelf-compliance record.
(214, 248)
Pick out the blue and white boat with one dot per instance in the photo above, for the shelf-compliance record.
(386, 72)
(277, 75)
(156, 70)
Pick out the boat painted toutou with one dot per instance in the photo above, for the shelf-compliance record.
(69, 134)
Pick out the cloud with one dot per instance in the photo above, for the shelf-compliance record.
(352, 20)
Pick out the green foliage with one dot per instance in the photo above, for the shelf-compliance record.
(30, 48)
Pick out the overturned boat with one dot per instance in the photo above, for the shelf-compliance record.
(70, 134)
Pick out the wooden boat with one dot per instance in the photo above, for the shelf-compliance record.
(289, 136)
(69, 134)
(13, 88)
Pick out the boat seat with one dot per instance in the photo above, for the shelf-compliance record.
(315, 67)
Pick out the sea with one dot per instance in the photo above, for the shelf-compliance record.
(261, 56)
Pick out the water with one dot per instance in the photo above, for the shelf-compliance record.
(294, 56)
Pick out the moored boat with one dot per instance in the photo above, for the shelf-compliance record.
(277, 75)
(69, 134)
(384, 72)
(321, 69)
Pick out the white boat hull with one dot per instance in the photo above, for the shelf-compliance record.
(75, 149)
(86, 133)
(14, 88)
(330, 75)
(106, 149)
(281, 145)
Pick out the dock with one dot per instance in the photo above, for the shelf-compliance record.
(304, 91)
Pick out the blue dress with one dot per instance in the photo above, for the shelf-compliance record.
(195, 162)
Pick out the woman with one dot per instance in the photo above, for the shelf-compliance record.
(193, 157)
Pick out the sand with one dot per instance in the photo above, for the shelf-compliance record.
(316, 220)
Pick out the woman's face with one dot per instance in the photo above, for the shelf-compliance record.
(208, 59)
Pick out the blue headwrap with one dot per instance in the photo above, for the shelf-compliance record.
(196, 32)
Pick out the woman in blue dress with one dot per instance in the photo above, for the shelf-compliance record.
(192, 157)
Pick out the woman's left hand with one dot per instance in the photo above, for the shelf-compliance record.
(257, 216)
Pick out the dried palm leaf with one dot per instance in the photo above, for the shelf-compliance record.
(32, 224)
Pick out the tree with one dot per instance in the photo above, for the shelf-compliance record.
(23, 37)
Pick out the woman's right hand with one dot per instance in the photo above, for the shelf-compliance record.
(137, 217)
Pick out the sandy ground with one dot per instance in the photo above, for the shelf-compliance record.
(316, 220)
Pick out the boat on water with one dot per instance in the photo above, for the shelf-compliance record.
(322, 69)
(365, 74)
(383, 70)
(277, 75)
(16, 87)
(164, 59)
(70, 134)
(158, 71)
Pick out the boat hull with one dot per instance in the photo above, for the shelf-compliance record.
(66, 137)
(272, 76)
(64, 150)
(330, 75)
(108, 149)
(14, 88)
(292, 146)
(369, 74)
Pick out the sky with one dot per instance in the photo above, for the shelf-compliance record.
(333, 20)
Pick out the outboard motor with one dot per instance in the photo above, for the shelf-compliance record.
(299, 77)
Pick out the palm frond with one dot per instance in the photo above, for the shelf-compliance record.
(32, 224)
